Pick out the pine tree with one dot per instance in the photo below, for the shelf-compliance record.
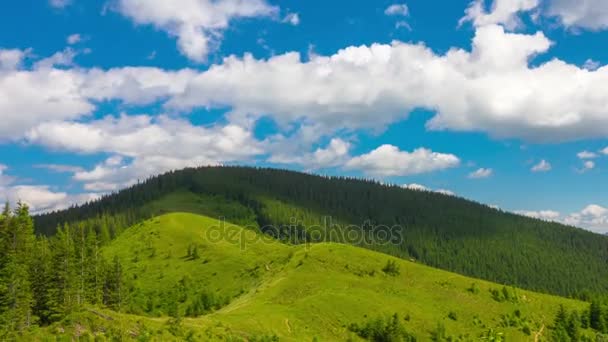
(114, 291)
(64, 280)
(16, 297)
(596, 319)
(42, 277)
(94, 281)
(573, 326)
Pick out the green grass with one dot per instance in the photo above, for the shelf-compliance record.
(294, 292)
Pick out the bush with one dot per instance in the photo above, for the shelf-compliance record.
(452, 315)
(389, 329)
(391, 268)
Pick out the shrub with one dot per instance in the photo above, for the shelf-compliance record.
(391, 268)
(389, 329)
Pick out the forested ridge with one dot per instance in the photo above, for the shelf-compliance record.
(439, 230)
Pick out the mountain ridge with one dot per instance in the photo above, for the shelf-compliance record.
(442, 231)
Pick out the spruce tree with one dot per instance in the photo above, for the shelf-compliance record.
(16, 297)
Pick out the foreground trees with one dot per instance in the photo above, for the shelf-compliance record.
(44, 279)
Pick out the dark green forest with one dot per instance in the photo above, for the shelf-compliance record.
(438, 230)
(44, 279)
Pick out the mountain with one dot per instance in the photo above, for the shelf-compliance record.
(230, 283)
(434, 229)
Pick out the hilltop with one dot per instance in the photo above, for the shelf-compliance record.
(442, 231)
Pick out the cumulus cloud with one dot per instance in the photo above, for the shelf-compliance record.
(505, 12)
(152, 145)
(547, 215)
(593, 217)
(197, 24)
(586, 14)
(388, 160)
(491, 88)
(335, 154)
(11, 59)
(542, 166)
(398, 10)
(43, 92)
(586, 155)
(40, 198)
(481, 173)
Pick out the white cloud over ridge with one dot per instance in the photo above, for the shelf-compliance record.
(40, 198)
(152, 145)
(593, 217)
(388, 160)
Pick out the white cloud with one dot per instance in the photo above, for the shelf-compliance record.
(587, 14)
(43, 199)
(481, 173)
(586, 155)
(197, 24)
(548, 215)
(29, 96)
(490, 89)
(63, 58)
(397, 9)
(593, 217)
(292, 19)
(388, 160)
(151, 145)
(542, 166)
(419, 187)
(39, 198)
(11, 59)
(588, 165)
(74, 39)
(416, 187)
(505, 12)
(604, 151)
(60, 3)
(335, 154)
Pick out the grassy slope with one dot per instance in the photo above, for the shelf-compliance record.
(301, 292)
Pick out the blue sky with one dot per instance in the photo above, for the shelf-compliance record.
(503, 102)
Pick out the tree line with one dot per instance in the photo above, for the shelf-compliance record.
(44, 279)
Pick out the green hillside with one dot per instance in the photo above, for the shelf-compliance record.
(230, 283)
(437, 230)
